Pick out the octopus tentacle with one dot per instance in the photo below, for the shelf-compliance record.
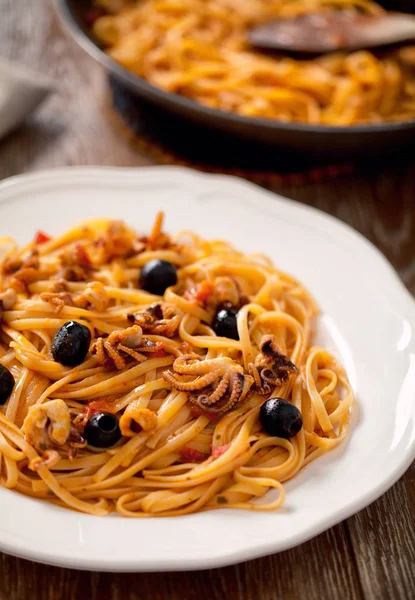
(121, 345)
(49, 459)
(133, 353)
(239, 388)
(255, 374)
(149, 348)
(190, 386)
(118, 360)
(188, 364)
(232, 384)
(194, 365)
(217, 394)
(237, 383)
(99, 351)
(157, 319)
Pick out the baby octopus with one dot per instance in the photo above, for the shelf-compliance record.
(22, 272)
(218, 385)
(48, 428)
(93, 296)
(157, 319)
(271, 367)
(123, 344)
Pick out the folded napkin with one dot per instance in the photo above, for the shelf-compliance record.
(21, 91)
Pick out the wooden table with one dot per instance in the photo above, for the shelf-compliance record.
(371, 555)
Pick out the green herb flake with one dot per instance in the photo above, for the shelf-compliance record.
(217, 436)
(221, 500)
(43, 447)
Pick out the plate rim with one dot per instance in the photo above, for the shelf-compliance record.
(405, 307)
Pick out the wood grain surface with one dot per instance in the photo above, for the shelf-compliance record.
(371, 555)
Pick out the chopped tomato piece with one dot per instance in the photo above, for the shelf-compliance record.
(200, 293)
(191, 455)
(205, 290)
(41, 237)
(220, 450)
(102, 405)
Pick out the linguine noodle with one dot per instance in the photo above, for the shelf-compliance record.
(187, 400)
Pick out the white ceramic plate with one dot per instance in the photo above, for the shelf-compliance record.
(368, 318)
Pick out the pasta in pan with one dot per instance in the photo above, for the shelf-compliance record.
(159, 375)
(198, 49)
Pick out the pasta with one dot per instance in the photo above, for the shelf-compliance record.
(183, 379)
(198, 49)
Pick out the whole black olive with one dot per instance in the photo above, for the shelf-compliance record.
(102, 430)
(280, 418)
(71, 344)
(224, 323)
(157, 275)
(6, 384)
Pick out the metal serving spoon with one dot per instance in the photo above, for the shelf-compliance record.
(327, 31)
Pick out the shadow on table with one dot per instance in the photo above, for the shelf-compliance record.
(169, 139)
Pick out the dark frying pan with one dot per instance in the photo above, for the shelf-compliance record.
(316, 139)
